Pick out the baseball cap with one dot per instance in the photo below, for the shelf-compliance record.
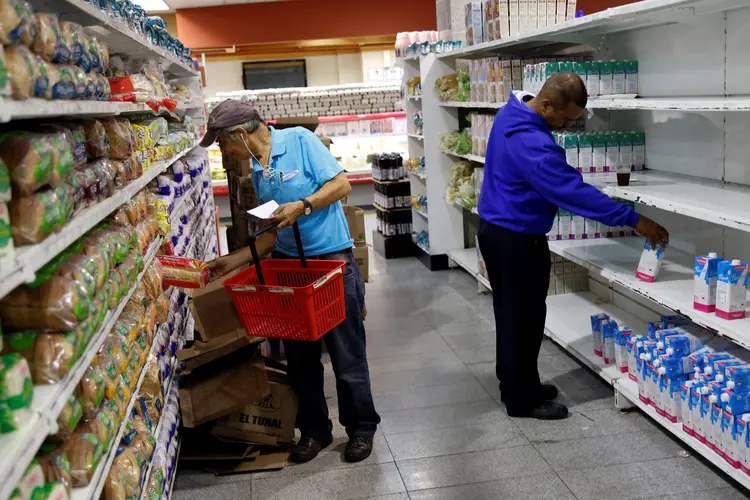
(227, 114)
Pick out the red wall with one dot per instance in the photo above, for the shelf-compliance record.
(272, 22)
(591, 6)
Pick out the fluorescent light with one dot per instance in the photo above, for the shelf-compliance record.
(152, 5)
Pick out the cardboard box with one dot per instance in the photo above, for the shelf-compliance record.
(202, 353)
(222, 388)
(355, 218)
(213, 310)
(362, 258)
(269, 420)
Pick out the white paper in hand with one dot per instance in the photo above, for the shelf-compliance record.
(264, 211)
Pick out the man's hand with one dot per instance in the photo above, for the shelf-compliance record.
(222, 266)
(288, 213)
(653, 232)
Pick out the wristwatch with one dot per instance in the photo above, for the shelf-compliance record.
(308, 206)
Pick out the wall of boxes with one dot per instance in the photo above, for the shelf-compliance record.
(491, 20)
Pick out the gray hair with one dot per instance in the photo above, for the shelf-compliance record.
(250, 126)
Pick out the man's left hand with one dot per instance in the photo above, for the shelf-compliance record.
(288, 213)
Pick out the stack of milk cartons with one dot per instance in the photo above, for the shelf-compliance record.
(720, 286)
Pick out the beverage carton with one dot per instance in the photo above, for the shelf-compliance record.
(731, 289)
(621, 347)
(744, 442)
(618, 77)
(513, 17)
(489, 20)
(566, 225)
(554, 233)
(586, 152)
(713, 434)
(650, 264)
(551, 12)
(672, 398)
(566, 66)
(579, 227)
(523, 16)
(592, 229)
(608, 342)
(612, 155)
(541, 13)
(532, 16)
(687, 418)
(597, 323)
(631, 77)
(705, 272)
(570, 144)
(561, 11)
(625, 155)
(697, 413)
(503, 29)
(605, 78)
(598, 152)
(639, 150)
(570, 10)
(592, 77)
(632, 345)
(732, 439)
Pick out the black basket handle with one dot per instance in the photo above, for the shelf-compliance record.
(254, 249)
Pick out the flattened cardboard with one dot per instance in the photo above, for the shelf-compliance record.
(362, 258)
(265, 460)
(201, 353)
(214, 311)
(355, 218)
(220, 389)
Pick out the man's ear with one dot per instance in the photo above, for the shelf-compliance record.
(240, 134)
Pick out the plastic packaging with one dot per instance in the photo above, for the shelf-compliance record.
(34, 217)
(68, 420)
(183, 272)
(32, 479)
(119, 136)
(49, 40)
(56, 467)
(29, 159)
(17, 22)
(82, 269)
(90, 391)
(97, 142)
(72, 33)
(50, 355)
(102, 425)
(15, 392)
(84, 452)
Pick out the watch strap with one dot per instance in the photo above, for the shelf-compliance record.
(308, 205)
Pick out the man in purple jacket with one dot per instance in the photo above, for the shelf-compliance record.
(526, 180)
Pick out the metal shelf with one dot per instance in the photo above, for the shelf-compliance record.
(470, 157)
(698, 103)
(478, 105)
(416, 136)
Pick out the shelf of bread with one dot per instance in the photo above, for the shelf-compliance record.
(48, 401)
(35, 107)
(29, 259)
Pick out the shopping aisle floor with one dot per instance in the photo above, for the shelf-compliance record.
(445, 436)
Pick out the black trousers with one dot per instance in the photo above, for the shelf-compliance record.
(518, 266)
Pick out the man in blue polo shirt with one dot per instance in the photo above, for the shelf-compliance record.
(295, 169)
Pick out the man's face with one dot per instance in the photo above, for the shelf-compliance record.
(560, 118)
(232, 143)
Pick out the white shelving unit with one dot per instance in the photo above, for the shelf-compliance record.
(477, 105)
(692, 103)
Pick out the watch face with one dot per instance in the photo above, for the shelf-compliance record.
(307, 211)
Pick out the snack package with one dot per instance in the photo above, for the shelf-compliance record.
(15, 392)
(84, 452)
(58, 304)
(67, 421)
(80, 268)
(32, 479)
(183, 272)
(30, 161)
(49, 41)
(72, 33)
(162, 308)
(17, 22)
(120, 137)
(34, 217)
(152, 281)
(124, 479)
(97, 141)
(50, 355)
(56, 467)
(102, 425)
(90, 391)
(22, 70)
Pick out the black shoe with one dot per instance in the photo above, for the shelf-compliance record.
(548, 410)
(357, 449)
(549, 392)
(308, 448)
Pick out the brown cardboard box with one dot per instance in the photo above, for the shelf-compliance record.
(362, 257)
(201, 353)
(213, 310)
(308, 122)
(270, 420)
(355, 217)
(257, 460)
(221, 388)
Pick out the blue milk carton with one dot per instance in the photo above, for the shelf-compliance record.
(703, 425)
(608, 341)
(729, 449)
(705, 272)
(686, 412)
(744, 441)
(632, 343)
(731, 289)
(622, 335)
(597, 320)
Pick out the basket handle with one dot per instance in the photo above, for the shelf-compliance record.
(254, 249)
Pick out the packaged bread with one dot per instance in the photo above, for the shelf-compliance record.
(90, 92)
(50, 355)
(97, 54)
(58, 304)
(148, 407)
(103, 172)
(49, 40)
(5, 193)
(162, 308)
(156, 483)
(15, 392)
(72, 33)
(34, 217)
(97, 142)
(32, 479)
(81, 268)
(98, 251)
(99, 307)
(17, 22)
(115, 284)
(66, 204)
(6, 236)
(68, 420)
(61, 79)
(29, 159)
(116, 349)
(108, 368)
(120, 217)
(183, 272)
(124, 479)
(5, 88)
(102, 426)
(119, 136)
(56, 467)
(84, 451)
(103, 237)
(22, 70)
(102, 92)
(77, 185)
(90, 391)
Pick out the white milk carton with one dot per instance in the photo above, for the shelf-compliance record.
(687, 420)
(612, 157)
(618, 77)
(705, 275)
(639, 150)
(541, 13)
(605, 77)
(650, 264)
(599, 151)
(585, 153)
(743, 442)
(554, 232)
(608, 342)
(579, 227)
(621, 347)
(570, 144)
(597, 322)
(592, 229)
(592, 77)
(566, 224)
(631, 77)
(731, 289)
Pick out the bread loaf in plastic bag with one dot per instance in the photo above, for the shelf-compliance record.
(58, 304)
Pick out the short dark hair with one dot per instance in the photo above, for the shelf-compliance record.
(564, 88)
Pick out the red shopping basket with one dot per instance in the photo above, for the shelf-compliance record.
(289, 299)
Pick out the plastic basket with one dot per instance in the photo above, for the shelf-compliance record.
(289, 299)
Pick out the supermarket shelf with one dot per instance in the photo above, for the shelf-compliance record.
(616, 259)
(478, 105)
(11, 109)
(478, 159)
(698, 103)
(704, 199)
(420, 212)
(382, 209)
(421, 247)
(416, 136)
(418, 176)
(94, 489)
(413, 97)
(618, 19)
(466, 258)
(119, 39)
(174, 470)
(29, 259)
(48, 401)
(464, 207)
(364, 137)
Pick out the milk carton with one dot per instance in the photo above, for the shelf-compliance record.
(631, 77)
(618, 77)
(713, 434)
(541, 12)
(608, 342)
(632, 345)
(566, 224)
(586, 152)
(639, 150)
(625, 154)
(605, 78)
(592, 77)
(743, 442)
(612, 157)
(503, 28)
(578, 227)
(732, 439)
(566, 66)
(705, 272)
(671, 398)
(561, 11)
(523, 16)
(650, 264)
(592, 229)
(599, 152)
(551, 12)
(621, 347)
(554, 232)
(685, 412)
(570, 144)
(642, 375)
(597, 322)
(698, 411)
(731, 289)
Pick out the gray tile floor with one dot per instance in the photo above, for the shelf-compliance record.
(445, 436)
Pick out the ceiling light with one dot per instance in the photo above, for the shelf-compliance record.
(152, 5)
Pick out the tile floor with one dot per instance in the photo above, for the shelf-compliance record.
(445, 436)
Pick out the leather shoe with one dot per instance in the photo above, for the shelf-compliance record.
(549, 392)
(308, 448)
(357, 449)
(549, 410)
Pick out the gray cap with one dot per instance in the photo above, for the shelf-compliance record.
(227, 114)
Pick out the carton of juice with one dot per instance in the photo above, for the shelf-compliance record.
(612, 151)
(731, 289)
(566, 66)
(566, 224)
(618, 77)
(705, 275)
(621, 347)
(650, 264)
(593, 69)
(639, 150)
(579, 227)
(598, 152)
(687, 419)
(586, 152)
(597, 323)
(554, 233)
(743, 437)
(625, 154)
(631, 77)
(570, 144)
(605, 78)
(608, 342)
(541, 12)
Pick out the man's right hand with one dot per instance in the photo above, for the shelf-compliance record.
(222, 266)
(653, 232)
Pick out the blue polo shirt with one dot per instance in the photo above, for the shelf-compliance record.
(301, 165)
